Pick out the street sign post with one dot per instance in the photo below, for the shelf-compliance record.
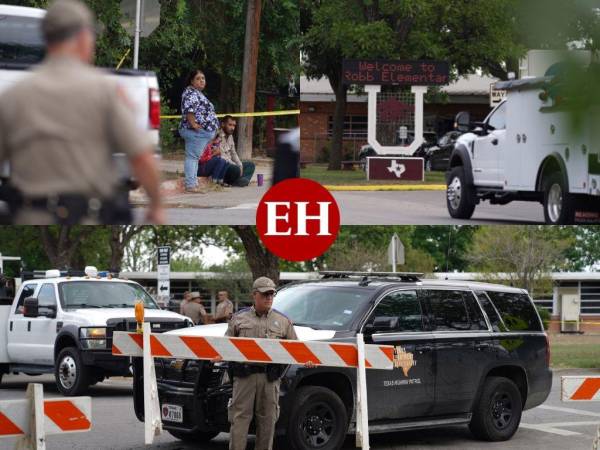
(395, 252)
(163, 267)
(141, 17)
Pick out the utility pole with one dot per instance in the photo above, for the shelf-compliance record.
(249, 78)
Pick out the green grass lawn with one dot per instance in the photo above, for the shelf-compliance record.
(575, 351)
(320, 174)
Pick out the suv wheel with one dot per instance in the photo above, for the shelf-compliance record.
(197, 436)
(318, 420)
(498, 412)
(558, 203)
(72, 376)
(460, 197)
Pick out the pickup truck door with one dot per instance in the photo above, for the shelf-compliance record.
(463, 348)
(43, 328)
(407, 391)
(487, 154)
(19, 328)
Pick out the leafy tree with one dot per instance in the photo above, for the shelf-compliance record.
(526, 254)
(467, 34)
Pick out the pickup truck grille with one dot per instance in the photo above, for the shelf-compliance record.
(189, 371)
(157, 325)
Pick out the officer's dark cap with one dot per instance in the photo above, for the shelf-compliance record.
(64, 19)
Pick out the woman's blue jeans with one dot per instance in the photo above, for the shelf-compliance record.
(195, 141)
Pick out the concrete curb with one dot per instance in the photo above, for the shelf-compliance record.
(389, 187)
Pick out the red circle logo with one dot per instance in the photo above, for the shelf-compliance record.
(298, 219)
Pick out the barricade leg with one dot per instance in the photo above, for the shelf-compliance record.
(362, 412)
(152, 418)
(34, 437)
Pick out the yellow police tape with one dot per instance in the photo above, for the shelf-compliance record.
(388, 187)
(289, 112)
(583, 322)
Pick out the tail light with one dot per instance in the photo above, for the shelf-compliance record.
(154, 109)
(547, 352)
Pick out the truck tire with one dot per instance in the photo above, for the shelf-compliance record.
(71, 375)
(497, 414)
(559, 207)
(460, 197)
(318, 420)
(194, 437)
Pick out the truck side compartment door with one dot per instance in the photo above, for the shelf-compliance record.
(408, 390)
(19, 328)
(462, 348)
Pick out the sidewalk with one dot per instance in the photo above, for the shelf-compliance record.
(174, 197)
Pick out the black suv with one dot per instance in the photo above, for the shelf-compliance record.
(477, 354)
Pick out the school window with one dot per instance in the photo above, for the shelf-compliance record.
(354, 127)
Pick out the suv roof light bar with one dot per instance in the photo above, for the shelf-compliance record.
(55, 273)
(403, 276)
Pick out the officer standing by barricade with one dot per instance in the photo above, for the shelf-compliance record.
(59, 128)
(256, 386)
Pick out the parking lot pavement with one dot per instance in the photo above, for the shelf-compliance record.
(555, 425)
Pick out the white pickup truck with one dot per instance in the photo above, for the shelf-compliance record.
(64, 325)
(526, 150)
(22, 47)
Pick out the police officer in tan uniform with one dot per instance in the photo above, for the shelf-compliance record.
(224, 309)
(256, 386)
(60, 126)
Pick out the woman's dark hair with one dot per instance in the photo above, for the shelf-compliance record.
(192, 75)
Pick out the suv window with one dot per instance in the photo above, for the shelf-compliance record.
(28, 291)
(21, 40)
(498, 119)
(403, 306)
(46, 296)
(450, 311)
(517, 311)
(476, 317)
(491, 312)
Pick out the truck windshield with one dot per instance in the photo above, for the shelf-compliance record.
(21, 40)
(102, 294)
(321, 307)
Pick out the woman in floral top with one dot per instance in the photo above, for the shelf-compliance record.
(199, 125)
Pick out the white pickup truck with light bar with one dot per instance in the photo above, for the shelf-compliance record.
(63, 324)
(22, 47)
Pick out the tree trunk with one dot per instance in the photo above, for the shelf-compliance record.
(61, 247)
(120, 235)
(340, 89)
(248, 95)
(262, 262)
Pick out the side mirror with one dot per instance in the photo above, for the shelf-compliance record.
(48, 311)
(463, 122)
(30, 307)
(381, 323)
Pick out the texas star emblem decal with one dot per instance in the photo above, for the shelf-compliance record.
(396, 168)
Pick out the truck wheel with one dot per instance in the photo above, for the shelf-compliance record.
(497, 414)
(558, 203)
(72, 377)
(197, 436)
(460, 197)
(318, 420)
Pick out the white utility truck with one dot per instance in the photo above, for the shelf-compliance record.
(527, 150)
(63, 324)
(22, 48)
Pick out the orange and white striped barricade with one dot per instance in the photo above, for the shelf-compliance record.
(33, 418)
(578, 389)
(255, 350)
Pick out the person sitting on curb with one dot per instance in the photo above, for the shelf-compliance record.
(239, 173)
(212, 165)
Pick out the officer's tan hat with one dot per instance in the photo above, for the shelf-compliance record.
(263, 284)
(194, 295)
(64, 19)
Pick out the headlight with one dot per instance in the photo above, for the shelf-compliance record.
(93, 338)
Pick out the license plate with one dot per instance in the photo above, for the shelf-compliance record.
(172, 413)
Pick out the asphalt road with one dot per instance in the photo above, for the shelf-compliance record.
(552, 426)
(368, 208)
